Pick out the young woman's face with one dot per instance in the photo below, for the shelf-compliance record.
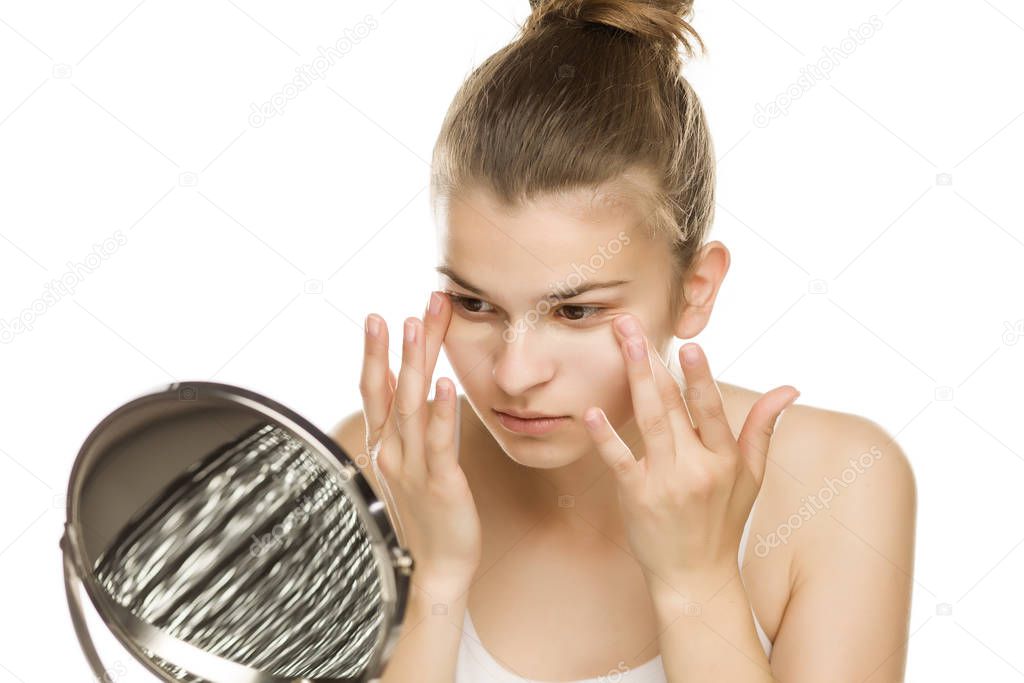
(522, 339)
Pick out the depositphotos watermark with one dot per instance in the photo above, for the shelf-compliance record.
(60, 287)
(815, 503)
(595, 263)
(311, 502)
(297, 517)
(817, 71)
(1013, 331)
(615, 675)
(114, 672)
(308, 73)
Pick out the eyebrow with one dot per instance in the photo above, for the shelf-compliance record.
(558, 296)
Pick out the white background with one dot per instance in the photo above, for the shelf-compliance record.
(252, 253)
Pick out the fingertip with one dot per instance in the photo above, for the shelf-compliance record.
(593, 417)
(783, 409)
(690, 353)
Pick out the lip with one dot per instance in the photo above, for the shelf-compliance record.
(537, 425)
(526, 414)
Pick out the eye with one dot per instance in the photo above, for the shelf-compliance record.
(589, 311)
(466, 303)
(576, 312)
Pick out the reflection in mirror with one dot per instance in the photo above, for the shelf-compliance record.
(215, 558)
(219, 536)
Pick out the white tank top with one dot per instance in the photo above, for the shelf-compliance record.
(475, 664)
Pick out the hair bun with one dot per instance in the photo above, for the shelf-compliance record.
(662, 22)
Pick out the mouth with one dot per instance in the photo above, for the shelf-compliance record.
(532, 425)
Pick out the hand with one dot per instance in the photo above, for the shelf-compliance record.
(413, 449)
(685, 503)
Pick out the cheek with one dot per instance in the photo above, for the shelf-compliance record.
(598, 373)
(594, 357)
(471, 332)
(605, 382)
(468, 347)
(591, 365)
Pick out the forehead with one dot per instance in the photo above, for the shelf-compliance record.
(529, 248)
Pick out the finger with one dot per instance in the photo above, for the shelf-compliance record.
(374, 379)
(612, 448)
(436, 318)
(756, 435)
(671, 393)
(410, 404)
(651, 418)
(441, 457)
(377, 386)
(705, 401)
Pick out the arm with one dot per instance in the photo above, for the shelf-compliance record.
(684, 504)
(707, 631)
(849, 611)
(428, 647)
(428, 644)
(848, 614)
(847, 617)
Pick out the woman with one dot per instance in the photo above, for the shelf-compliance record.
(586, 511)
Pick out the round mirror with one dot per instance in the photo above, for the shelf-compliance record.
(221, 537)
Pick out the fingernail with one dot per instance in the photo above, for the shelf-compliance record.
(372, 326)
(626, 324)
(782, 412)
(435, 303)
(442, 390)
(690, 354)
(635, 348)
(410, 331)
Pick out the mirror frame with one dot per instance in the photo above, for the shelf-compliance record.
(78, 573)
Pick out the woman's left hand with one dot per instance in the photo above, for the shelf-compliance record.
(685, 503)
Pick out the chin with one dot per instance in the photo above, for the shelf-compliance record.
(539, 453)
(542, 463)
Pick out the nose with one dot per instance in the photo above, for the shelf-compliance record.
(522, 362)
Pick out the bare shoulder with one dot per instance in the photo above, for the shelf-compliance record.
(834, 481)
(811, 442)
(835, 526)
(865, 483)
(853, 457)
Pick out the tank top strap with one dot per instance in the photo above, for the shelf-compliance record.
(766, 643)
(746, 533)
(458, 425)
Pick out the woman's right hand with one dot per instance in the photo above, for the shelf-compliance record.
(413, 446)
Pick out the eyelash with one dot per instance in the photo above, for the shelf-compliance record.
(461, 301)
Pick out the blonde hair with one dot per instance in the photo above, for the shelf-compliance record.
(588, 93)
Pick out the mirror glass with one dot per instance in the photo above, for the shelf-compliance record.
(222, 537)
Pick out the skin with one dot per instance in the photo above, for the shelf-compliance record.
(834, 596)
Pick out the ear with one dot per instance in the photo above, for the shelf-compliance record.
(700, 289)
